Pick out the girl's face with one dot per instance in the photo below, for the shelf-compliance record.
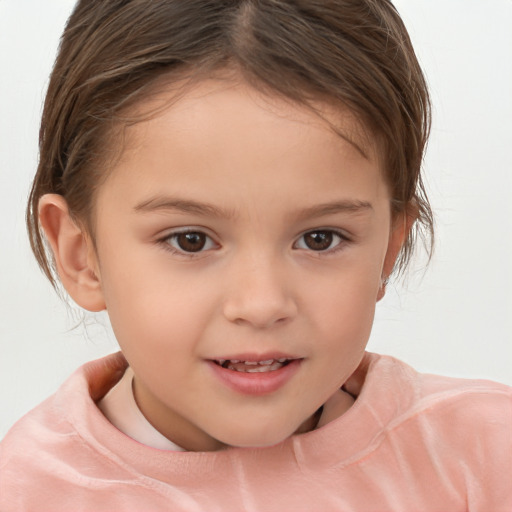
(239, 228)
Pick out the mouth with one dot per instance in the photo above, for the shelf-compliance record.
(256, 375)
(264, 366)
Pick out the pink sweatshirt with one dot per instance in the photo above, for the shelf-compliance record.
(410, 443)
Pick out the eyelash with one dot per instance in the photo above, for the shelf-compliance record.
(166, 242)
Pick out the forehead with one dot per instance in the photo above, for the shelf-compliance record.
(227, 93)
(232, 132)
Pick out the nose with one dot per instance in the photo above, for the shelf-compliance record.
(259, 294)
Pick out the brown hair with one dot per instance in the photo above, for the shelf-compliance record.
(351, 52)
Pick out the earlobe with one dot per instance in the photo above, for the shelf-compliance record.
(382, 289)
(73, 253)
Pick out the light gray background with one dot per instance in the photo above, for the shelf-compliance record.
(455, 319)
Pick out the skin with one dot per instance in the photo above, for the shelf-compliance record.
(254, 174)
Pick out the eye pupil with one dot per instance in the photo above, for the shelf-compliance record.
(318, 240)
(191, 242)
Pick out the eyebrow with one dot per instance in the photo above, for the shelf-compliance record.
(160, 203)
(332, 208)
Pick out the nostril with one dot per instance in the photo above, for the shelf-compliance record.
(260, 315)
(261, 300)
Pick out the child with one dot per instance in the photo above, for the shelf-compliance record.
(235, 182)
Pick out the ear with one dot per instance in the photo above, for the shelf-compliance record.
(400, 228)
(73, 252)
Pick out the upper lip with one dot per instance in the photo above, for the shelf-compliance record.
(252, 357)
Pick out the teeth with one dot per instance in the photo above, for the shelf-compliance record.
(254, 366)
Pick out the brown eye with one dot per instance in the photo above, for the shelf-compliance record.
(320, 240)
(190, 241)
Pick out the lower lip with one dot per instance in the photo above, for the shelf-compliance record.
(260, 383)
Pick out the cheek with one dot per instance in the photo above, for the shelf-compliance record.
(345, 307)
(149, 302)
(349, 316)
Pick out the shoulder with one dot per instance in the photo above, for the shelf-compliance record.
(463, 424)
(35, 455)
(44, 429)
(53, 423)
(410, 394)
(48, 449)
(426, 392)
(454, 433)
